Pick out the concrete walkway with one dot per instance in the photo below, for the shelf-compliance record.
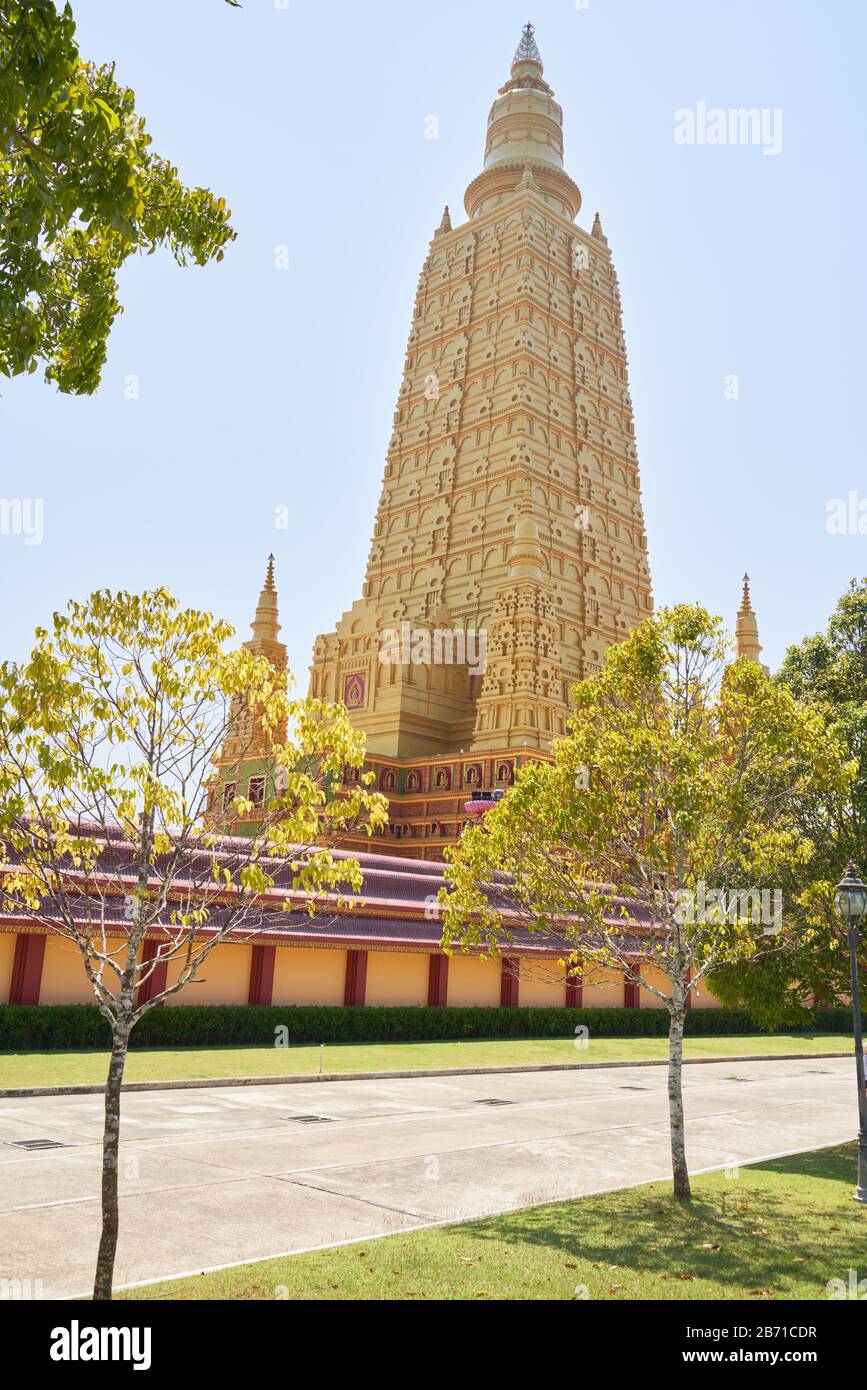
(224, 1175)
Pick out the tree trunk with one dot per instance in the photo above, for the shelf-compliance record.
(679, 1170)
(102, 1286)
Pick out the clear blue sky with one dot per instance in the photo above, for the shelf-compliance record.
(261, 388)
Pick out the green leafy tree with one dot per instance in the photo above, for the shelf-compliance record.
(80, 190)
(110, 737)
(655, 869)
(828, 673)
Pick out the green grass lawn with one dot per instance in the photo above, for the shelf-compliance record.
(780, 1230)
(199, 1063)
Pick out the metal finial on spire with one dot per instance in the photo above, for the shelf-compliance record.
(269, 577)
(527, 52)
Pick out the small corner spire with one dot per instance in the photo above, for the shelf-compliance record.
(525, 555)
(446, 222)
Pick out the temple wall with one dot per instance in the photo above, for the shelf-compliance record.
(305, 975)
(224, 978)
(648, 1000)
(63, 977)
(473, 982)
(311, 976)
(397, 978)
(542, 985)
(603, 990)
(704, 999)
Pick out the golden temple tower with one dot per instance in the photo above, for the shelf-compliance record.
(510, 516)
(747, 642)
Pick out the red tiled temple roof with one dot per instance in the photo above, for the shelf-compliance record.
(394, 910)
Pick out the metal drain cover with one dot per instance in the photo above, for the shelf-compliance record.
(493, 1102)
(311, 1119)
(37, 1144)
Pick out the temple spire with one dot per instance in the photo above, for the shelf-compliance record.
(747, 642)
(265, 624)
(524, 131)
(446, 223)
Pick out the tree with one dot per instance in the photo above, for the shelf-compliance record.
(828, 672)
(655, 866)
(80, 191)
(111, 811)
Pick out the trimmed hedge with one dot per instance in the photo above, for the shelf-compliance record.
(47, 1026)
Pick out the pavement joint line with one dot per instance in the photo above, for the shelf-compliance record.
(428, 1226)
(61, 1202)
(210, 1083)
(240, 1176)
(352, 1197)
